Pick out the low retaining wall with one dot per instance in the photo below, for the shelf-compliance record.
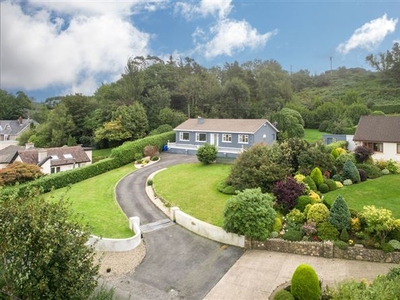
(118, 245)
(324, 249)
(197, 226)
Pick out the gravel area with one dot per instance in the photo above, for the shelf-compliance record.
(114, 265)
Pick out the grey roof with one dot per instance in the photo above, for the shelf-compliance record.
(14, 127)
(224, 125)
(59, 156)
(378, 129)
(8, 154)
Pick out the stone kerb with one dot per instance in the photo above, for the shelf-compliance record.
(199, 227)
(118, 245)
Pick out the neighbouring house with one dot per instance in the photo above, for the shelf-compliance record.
(380, 133)
(230, 136)
(51, 160)
(332, 138)
(10, 130)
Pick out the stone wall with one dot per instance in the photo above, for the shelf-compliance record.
(324, 249)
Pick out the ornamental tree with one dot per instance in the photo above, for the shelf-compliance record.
(340, 215)
(19, 172)
(250, 213)
(350, 171)
(287, 191)
(43, 251)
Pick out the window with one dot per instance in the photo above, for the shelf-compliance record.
(243, 138)
(184, 136)
(54, 170)
(398, 148)
(68, 156)
(377, 147)
(201, 137)
(227, 138)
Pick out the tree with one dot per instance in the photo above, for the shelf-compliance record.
(12, 107)
(259, 167)
(43, 250)
(289, 122)
(133, 120)
(340, 215)
(19, 172)
(207, 154)
(250, 213)
(362, 153)
(171, 117)
(113, 132)
(235, 100)
(387, 63)
(350, 171)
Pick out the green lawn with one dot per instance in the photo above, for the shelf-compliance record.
(383, 192)
(313, 135)
(193, 188)
(94, 199)
(102, 152)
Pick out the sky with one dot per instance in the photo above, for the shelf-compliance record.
(52, 47)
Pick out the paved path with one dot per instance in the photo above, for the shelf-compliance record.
(178, 264)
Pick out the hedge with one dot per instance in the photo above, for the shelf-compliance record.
(120, 156)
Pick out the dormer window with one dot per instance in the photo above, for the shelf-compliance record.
(68, 156)
(54, 157)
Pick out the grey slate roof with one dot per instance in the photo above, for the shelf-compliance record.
(14, 127)
(378, 129)
(223, 125)
(8, 154)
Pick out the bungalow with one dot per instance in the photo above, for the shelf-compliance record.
(10, 130)
(230, 136)
(380, 133)
(51, 160)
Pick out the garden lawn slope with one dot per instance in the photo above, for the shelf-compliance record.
(383, 192)
(193, 188)
(94, 198)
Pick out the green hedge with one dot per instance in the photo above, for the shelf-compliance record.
(120, 156)
(388, 108)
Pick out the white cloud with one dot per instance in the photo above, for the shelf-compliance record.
(219, 8)
(229, 37)
(370, 35)
(38, 53)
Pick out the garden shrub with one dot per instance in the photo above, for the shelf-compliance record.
(151, 151)
(395, 244)
(341, 160)
(379, 221)
(283, 295)
(347, 182)
(155, 158)
(326, 204)
(273, 234)
(315, 197)
(344, 235)
(340, 214)
(224, 188)
(327, 232)
(323, 188)
(138, 156)
(331, 184)
(381, 164)
(363, 175)
(296, 216)
(394, 273)
(318, 213)
(362, 153)
(161, 129)
(371, 170)
(299, 177)
(250, 213)
(385, 172)
(305, 283)
(337, 177)
(207, 154)
(277, 224)
(339, 184)
(355, 224)
(350, 171)
(393, 167)
(292, 235)
(394, 234)
(287, 191)
(316, 175)
(386, 247)
(341, 244)
(310, 182)
(309, 229)
(302, 202)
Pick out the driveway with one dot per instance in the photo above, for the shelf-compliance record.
(178, 263)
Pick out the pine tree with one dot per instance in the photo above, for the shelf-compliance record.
(340, 215)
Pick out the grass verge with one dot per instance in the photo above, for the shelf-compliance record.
(193, 188)
(94, 199)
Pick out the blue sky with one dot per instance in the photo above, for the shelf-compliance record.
(52, 47)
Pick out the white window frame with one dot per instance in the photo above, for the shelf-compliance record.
(198, 137)
(243, 139)
(55, 170)
(181, 136)
(227, 138)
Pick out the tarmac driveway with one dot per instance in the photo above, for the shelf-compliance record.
(178, 263)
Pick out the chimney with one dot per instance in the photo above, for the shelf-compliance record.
(29, 145)
(42, 154)
(200, 120)
(20, 120)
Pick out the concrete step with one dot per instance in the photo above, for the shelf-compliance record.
(156, 225)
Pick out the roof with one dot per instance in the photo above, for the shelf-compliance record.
(8, 154)
(224, 125)
(378, 129)
(14, 127)
(59, 156)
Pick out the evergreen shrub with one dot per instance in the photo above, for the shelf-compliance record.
(316, 175)
(350, 171)
(305, 284)
(311, 183)
(318, 213)
(371, 170)
(344, 235)
(283, 295)
(331, 184)
(323, 188)
(293, 236)
(327, 232)
(340, 215)
(302, 202)
(363, 175)
(341, 245)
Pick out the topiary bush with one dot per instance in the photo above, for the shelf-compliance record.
(327, 232)
(302, 202)
(283, 295)
(293, 236)
(305, 284)
(318, 213)
(340, 214)
(316, 175)
(323, 188)
(344, 235)
(331, 184)
(350, 171)
(207, 154)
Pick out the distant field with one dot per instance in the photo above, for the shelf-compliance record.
(313, 135)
